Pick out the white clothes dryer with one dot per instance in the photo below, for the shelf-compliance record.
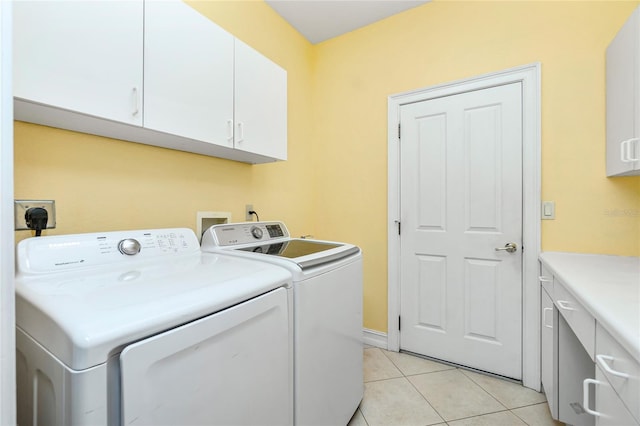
(327, 282)
(140, 327)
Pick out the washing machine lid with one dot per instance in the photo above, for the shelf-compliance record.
(305, 253)
(83, 300)
(273, 239)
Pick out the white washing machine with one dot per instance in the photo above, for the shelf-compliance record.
(327, 282)
(141, 328)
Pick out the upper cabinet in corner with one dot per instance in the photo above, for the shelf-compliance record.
(623, 100)
(260, 104)
(154, 72)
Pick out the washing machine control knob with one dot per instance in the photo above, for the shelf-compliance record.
(256, 232)
(129, 246)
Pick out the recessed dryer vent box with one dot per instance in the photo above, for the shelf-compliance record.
(207, 219)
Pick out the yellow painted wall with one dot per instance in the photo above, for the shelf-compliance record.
(101, 184)
(334, 184)
(445, 41)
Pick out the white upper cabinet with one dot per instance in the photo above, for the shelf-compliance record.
(82, 56)
(81, 65)
(260, 104)
(623, 100)
(188, 74)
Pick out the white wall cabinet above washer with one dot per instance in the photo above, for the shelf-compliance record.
(76, 72)
(82, 56)
(623, 100)
(188, 74)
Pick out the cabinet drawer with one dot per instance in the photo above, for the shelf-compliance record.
(581, 322)
(546, 280)
(620, 369)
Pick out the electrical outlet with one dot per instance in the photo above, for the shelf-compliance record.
(248, 216)
(21, 207)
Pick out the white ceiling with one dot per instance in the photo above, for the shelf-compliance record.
(319, 20)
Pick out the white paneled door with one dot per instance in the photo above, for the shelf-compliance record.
(461, 209)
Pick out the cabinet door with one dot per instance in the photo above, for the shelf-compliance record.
(623, 98)
(260, 104)
(83, 56)
(549, 377)
(574, 366)
(608, 404)
(188, 74)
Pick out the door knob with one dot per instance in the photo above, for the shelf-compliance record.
(509, 248)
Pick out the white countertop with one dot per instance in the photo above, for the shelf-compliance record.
(608, 287)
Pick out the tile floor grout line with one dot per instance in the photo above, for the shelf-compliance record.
(362, 414)
(414, 386)
(480, 415)
(495, 397)
(385, 379)
(486, 391)
(426, 400)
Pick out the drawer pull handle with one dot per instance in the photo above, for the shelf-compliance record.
(544, 279)
(565, 305)
(544, 317)
(602, 362)
(585, 396)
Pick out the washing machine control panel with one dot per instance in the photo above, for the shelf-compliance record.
(66, 252)
(244, 233)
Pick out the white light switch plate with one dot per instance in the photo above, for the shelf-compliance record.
(548, 210)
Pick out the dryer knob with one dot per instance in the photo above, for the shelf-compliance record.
(129, 246)
(256, 232)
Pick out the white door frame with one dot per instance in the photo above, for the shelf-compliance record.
(7, 306)
(529, 77)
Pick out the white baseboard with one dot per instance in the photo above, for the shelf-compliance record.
(374, 338)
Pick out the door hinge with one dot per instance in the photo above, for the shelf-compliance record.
(398, 131)
(398, 322)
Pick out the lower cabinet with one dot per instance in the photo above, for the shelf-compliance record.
(549, 354)
(588, 378)
(609, 409)
(574, 367)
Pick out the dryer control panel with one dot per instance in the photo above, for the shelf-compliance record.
(69, 252)
(243, 233)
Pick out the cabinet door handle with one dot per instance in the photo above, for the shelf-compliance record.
(544, 317)
(601, 360)
(585, 396)
(136, 107)
(544, 279)
(565, 305)
(625, 150)
(240, 137)
(229, 130)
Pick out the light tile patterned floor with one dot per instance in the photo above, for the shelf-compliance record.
(405, 390)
